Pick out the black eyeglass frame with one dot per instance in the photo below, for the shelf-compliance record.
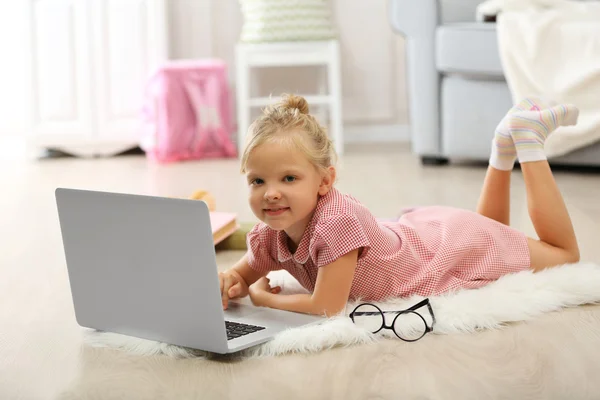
(410, 310)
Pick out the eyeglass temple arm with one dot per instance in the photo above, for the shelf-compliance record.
(418, 305)
(422, 303)
(412, 308)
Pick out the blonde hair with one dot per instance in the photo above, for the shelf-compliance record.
(289, 122)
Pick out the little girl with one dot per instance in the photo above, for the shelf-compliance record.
(339, 251)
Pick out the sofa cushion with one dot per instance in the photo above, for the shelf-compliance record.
(468, 48)
(470, 112)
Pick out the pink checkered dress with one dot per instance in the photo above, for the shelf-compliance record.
(427, 251)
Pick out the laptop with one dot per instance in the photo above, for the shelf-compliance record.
(145, 266)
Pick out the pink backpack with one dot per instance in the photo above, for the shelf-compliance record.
(187, 112)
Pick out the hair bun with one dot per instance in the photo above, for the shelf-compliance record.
(292, 101)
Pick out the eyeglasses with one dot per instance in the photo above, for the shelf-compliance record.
(408, 324)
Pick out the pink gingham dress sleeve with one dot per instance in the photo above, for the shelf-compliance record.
(335, 236)
(262, 243)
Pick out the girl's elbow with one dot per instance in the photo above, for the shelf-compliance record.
(330, 310)
(335, 311)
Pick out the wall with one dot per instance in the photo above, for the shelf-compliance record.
(373, 75)
(375, 106)
(13, 72)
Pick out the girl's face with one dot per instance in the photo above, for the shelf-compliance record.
(284, 187)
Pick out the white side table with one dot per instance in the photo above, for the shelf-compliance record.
(287, 54)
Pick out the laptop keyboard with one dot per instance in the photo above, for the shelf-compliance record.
(235, 329)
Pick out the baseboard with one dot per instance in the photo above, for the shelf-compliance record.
(391, 133)
(399, 133)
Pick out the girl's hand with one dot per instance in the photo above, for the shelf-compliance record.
(259, 288)
(233, 286)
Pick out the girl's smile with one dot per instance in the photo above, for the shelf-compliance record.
(273, 212)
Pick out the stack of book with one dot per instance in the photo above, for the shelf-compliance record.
(223, 225)
(228, 234)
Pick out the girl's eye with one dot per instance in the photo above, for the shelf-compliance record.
(289, 178)
(257, 181)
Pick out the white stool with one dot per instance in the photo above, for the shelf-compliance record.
(284, 55)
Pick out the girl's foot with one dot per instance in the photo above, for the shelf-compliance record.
(504, 153)
(529, 129)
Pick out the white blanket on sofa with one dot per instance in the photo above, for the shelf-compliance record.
(551, 49)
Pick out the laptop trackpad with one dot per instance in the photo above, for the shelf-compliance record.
(238, 310)
(263, 316)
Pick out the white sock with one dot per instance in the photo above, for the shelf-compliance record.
(504, 153)
(529, 129)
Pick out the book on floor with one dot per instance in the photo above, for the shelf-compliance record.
(223, 225)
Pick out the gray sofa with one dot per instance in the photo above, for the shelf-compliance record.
(456, 86)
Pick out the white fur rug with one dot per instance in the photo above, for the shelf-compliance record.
(513, 298)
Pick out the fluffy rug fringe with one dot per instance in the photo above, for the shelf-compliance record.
(513, 298)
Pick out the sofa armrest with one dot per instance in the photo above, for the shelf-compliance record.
(417, 21)
(414, 18)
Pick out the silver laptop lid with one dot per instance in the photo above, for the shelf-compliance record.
(143, 266)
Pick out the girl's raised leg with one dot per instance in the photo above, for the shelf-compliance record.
(494, 200)
(557, 243)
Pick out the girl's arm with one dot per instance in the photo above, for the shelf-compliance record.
(235, 281)
(248, 274)
(329, 297)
